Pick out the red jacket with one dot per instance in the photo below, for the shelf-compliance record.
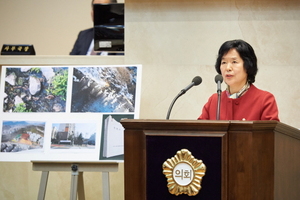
(255, 104)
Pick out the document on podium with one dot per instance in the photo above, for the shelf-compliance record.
(113, 138)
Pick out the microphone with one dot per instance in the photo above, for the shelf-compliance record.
(218, 80)
(196, 81)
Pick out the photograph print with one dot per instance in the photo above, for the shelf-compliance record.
(104, 89)
(112, 136)
(21, 136)
(73, 135)
(35, 89)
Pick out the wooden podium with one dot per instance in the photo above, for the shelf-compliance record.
(248, 160)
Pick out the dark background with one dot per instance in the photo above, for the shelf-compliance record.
(161, 148)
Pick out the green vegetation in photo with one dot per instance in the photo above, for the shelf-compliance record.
(58, 85)
(35, 69)
(21, 107)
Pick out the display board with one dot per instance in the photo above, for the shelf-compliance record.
(67, 112)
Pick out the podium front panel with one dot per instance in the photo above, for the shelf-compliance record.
(162, 146)
(249, 160)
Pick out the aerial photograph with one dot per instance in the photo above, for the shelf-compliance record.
(104, 89)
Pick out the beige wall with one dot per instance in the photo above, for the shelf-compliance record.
(174, 41)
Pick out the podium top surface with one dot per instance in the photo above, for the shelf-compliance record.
(211, 125)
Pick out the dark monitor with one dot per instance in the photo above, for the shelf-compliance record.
(109, 27)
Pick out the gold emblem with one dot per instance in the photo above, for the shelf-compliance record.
(184, 173)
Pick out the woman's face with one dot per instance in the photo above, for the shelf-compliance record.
(233, 71)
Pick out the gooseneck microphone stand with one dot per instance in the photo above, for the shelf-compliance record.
(219, 80)
(196, 81)
(171, 105)
(218, 106)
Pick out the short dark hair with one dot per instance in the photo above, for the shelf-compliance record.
(246, 53)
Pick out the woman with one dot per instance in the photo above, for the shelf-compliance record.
(237, 63)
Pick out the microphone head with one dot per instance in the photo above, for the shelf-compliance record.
(197, 80)
(218, 78)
